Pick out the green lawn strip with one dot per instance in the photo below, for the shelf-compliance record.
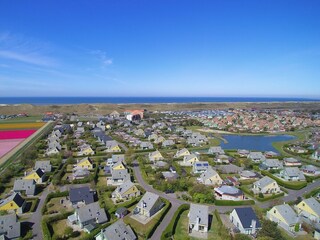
(145, 231)
(290, 185)
(21, 119)
(312, 193)
(170, 229)
(233, 203)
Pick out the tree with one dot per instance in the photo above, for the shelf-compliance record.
(269, 229)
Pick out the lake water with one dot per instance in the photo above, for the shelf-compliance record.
(254, 142)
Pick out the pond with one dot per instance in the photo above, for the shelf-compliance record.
(254, 142)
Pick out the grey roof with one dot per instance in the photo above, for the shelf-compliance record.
(208, 174)
(229, 190)
(16, 197)
(81, 194)
(189, 157)
(148, 200)
(291, 160)
(124, 187)
(120, 174)
(170, 175)
(230, 168)
(27, 185)
(214, 150)
(272, 163)
(201, 166)
(249, 174)
(313, 204)
(161, 163)
(287, 213)
(294, 172)
(91, 212)
(9, 226)
(44, 165)
(119, 231)
(117, 157)
(256, 155)
(263, 182)
(199, 212)
(246, 215)
(181, 151)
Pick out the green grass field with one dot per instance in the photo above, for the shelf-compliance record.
(22, 119)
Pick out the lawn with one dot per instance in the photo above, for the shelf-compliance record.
(22, 119)
(181, 232)
(54, 205)
(141, 229)
(59, 227)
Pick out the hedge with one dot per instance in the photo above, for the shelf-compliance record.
(48, 220)
(233, 203)
(290, 185)
(50, 196)
(312, 193)
(247, 191)
(164, 212)
(170, 229)
(218, 216)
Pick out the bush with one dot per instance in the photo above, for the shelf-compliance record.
(261, 195)
(290, 185)
(170, 229)
(50, 196)
(165, 211)
(233, 203)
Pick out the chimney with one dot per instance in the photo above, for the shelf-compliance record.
(253, 225)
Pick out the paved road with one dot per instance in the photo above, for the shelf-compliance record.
(37, 215)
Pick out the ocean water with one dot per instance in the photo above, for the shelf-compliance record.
(123, 100)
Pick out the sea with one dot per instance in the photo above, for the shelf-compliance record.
(151, 100)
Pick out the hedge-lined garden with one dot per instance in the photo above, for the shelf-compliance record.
(290, 185)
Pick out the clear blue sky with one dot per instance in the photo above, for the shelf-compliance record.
(160, 48)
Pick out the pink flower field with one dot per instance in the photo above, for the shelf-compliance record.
(16, 134)
(7, 145)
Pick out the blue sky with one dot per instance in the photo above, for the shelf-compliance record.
(160, 48)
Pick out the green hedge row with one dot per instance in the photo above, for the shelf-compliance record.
(163, 214)
(270, 197)
(53, 195)
(218, 216)
(47, 234)
(247, 191)
(233, 203)
(312, 193)
(170, 229)
(290, 185)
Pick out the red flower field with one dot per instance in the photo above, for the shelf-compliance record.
(16, 134)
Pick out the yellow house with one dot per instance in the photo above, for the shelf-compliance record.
(155, 156)
(37, 175)
(189, 160)
(86, 152)
(210, 177)
(266, 185)
(284, 216)
(126, 191)
(112, 146)
(119, 166)
(13, 203)
(309, 208)
(181, 153)
(85, 163)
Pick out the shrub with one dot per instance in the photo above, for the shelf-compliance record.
(165, 211)
(170, 229)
